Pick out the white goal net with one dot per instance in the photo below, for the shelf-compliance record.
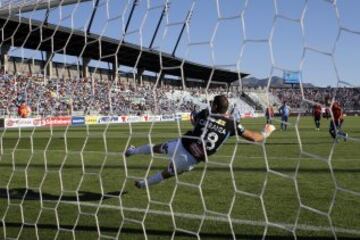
(82, 81)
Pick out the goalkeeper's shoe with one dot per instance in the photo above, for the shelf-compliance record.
(130, 151)
(268, 129)
(140, 184)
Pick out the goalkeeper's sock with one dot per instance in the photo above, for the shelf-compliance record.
(144, 149)
(155, 179)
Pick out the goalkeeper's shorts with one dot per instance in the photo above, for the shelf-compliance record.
(179, 157)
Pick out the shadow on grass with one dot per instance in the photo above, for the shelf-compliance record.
(29, 194)
(138, 232)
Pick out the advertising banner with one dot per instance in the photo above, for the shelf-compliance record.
(178, 116)
(167, 117)
(247, 115)
(37, 122)
(145, 118)
(57, 121)
(185, 117)
(123, 118)
(77, 121)
(154, 118)
(108, 119)
(20, 122)
(134, 119)
(91, 120)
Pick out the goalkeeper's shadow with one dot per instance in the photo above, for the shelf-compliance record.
(31, 195)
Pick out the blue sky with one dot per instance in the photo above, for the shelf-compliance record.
(261, 37)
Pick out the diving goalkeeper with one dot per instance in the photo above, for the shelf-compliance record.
(211, 130)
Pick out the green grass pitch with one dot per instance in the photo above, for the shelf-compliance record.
(79, 187)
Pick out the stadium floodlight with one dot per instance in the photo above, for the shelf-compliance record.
(80, 88)
(14, 6)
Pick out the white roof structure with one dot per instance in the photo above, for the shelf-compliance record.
(10, 7)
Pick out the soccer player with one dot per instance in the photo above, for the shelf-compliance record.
(336, 123)
(269, 114)
(211, 129)
(327, 114)
(284, 113)
(317, 115)
(193, 114)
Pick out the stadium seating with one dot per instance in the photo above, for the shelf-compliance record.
(85, 96)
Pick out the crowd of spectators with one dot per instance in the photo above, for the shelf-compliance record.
(88, 96)
(349, 98)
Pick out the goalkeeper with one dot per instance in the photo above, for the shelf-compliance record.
(211, 130)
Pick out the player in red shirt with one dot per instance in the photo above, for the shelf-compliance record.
(338, 119)
(269, 114)
(317, 115)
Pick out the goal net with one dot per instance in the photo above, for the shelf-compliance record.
(83, 80)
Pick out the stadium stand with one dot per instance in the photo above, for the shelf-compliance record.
(348, 97)
(260, 96)
(85, 96)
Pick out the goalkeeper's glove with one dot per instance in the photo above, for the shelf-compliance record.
(268, 129)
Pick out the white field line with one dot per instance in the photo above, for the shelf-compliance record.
(218, 218)
(110, 153)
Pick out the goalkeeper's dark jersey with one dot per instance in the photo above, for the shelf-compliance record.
(208, 134)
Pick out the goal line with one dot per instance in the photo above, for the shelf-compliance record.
(120, 153)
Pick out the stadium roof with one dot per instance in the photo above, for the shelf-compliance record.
(31, 34)
(8, 7)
